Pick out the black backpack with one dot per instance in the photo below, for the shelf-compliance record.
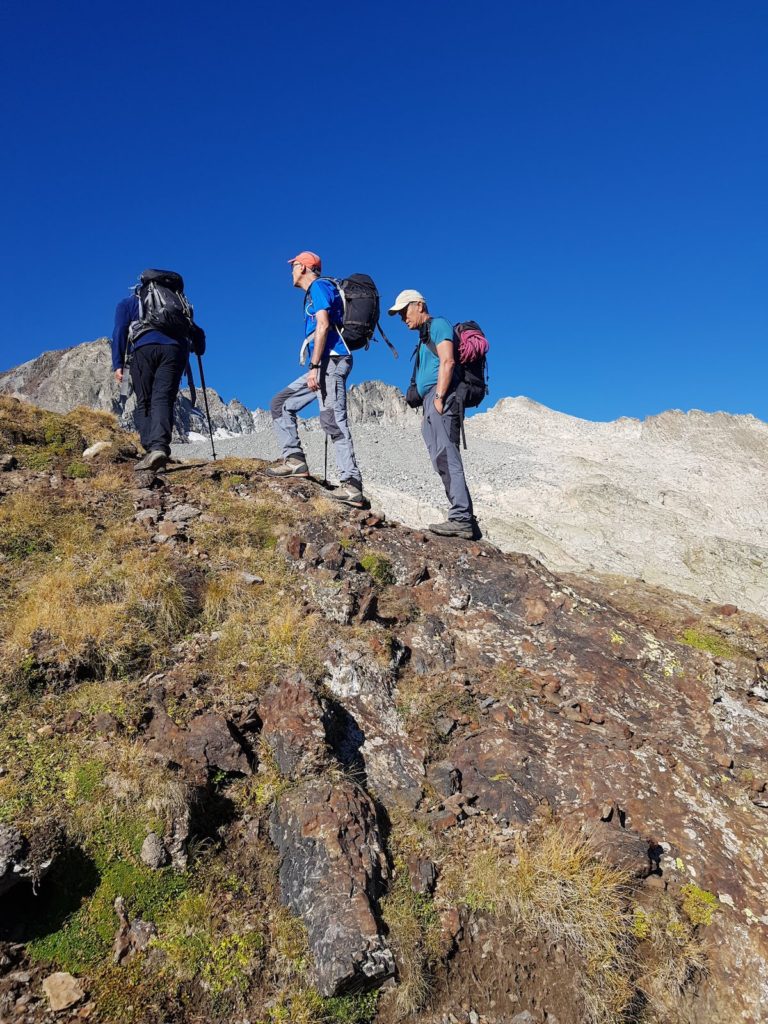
(470, 374)
(164, 307)
(360, 301)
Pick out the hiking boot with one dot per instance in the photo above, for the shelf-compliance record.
(294, 465)
(453, 528)
(152, 460)
(350, 494)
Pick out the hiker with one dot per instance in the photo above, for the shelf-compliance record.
(154, 334)
(435, 381)
(329, 366)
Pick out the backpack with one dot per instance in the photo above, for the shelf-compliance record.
(164, 307)
(472, 350)
(360, 301)
(471, 372)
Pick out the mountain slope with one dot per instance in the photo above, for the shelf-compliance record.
(263, 756)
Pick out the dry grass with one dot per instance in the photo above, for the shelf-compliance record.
(672, 955)
(35, 522)
(102, 611)
(551, 883)
(414, 934)
(263, 628)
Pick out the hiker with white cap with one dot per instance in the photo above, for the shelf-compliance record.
(435, 382)
(329, 366)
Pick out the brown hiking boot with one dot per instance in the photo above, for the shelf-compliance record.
(350, 494)
(453, 528)
(294, 465)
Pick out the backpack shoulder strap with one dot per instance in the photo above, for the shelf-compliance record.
(425, 338)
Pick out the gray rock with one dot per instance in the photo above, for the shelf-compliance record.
(132, 936)
(332, 869)
(153, 852)
(182, 513)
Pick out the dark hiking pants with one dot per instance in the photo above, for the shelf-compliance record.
(332, 397)
(156, 374)
(441, 436)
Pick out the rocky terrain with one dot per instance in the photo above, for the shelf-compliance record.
(64, 379)
(677, 499)
(266, 759)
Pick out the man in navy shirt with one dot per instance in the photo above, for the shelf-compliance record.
(441, 425)
(329, 366)
(157, 363)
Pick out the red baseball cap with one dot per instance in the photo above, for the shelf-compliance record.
(308, 259)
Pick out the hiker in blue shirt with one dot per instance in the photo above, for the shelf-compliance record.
(157, 360)
(329, 367)
(441, 425)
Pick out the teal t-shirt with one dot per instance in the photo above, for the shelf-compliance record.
(426, 372)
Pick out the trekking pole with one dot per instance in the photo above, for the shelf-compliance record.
(325, 465)
(205, 400)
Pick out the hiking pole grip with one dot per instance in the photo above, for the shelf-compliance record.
(205, 400)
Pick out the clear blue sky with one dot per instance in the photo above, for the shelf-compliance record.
(586, 179)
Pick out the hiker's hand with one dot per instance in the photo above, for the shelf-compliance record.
(312, 382)
(119, 376)
(439, 406)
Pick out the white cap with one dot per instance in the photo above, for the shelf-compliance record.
(402, 300)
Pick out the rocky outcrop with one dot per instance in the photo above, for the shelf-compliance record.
(64, 379)
(372, 401)
(332, 869)
(26, 858)
(332, 863)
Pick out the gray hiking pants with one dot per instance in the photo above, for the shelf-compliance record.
(441, 435)
(332, 397)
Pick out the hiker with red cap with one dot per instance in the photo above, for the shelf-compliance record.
(329, 366)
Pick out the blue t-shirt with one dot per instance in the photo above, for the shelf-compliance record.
(323, 294)
(426, 372)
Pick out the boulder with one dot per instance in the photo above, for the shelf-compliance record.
(332, 869)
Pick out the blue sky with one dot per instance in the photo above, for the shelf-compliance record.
(587, 180)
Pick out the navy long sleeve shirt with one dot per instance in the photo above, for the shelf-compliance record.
(127, 311)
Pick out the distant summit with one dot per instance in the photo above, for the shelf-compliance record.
(65, 378)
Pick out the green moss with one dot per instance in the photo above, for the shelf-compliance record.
(77, 471)
(230, 961)
(379, 568)
(641, 924)
(194, 948)
(359, 1009)
(306, 1006)
(233, 480)
(709, 642)
(85, 780)
(699, 905)
(84, 939)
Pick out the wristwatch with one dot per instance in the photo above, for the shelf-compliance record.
(315, 366)
(438, 395)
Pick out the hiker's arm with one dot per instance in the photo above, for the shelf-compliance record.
(445, 372)
(120, 339)
(322, 326)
